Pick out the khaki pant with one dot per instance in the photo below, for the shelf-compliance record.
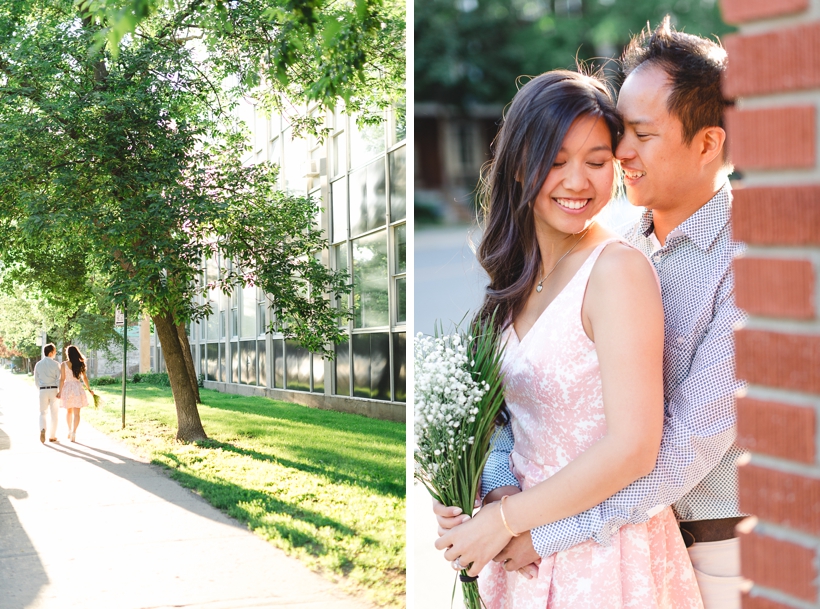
(48, 402)
(717, 570)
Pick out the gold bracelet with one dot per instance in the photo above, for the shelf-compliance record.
(504, 519)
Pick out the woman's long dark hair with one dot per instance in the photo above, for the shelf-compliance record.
(531, 135)
(76, 360)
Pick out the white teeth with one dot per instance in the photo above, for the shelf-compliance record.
(572, 203)
(634, 175)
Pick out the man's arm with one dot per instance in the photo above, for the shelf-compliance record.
(37, 374)
(698, 430)
(497, 471)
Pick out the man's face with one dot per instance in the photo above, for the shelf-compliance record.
(657, 165)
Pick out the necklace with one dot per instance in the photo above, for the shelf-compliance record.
(540, 285)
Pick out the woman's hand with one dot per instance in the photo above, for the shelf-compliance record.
(450, 516)
(476, 541)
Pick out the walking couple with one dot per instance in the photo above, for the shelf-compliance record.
(63, 384)
(619, 361)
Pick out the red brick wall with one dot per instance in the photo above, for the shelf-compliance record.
(774, 71)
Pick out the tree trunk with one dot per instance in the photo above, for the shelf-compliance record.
(189, 425)
(189, 360)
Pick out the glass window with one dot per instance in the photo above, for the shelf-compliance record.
(223, 371)
(263, 363)
(400, 234)
(318, 373)
(401, 300)
(400, 367)
(341, 366)
(371, 366)
(247, 362)
(203, 360)
(279, 363)
(367, 198)
(298, 366)
(249, 312)
(212, 372)
(365, 142)
(400, 132)
(338, 201)
(234, 322)
(295, 155)
(213, 324)
(262, 317)
(398, 184)
(340, 254)
(370, 303)
(223, 325)
(235, 362)
(339, 154)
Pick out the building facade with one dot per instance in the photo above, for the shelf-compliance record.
(358, 174)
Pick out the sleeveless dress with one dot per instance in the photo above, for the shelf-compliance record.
(73, 392)
(553, 392)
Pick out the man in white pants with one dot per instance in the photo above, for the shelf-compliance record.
(47, 379)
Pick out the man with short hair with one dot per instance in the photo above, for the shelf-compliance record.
(674, 163)
(47, 379)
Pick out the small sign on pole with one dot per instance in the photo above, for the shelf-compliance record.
(119, 318)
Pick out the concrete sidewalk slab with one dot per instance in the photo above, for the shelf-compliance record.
(88, 525)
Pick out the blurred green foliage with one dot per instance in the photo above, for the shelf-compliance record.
(472, 51)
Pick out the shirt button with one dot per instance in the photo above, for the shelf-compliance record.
(680, 340)
(657, 258)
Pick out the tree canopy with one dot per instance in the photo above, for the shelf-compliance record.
(472, 51)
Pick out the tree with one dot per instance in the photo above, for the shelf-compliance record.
(472, 51)
(133, 161)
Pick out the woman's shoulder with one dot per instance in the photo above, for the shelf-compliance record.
(621, 266)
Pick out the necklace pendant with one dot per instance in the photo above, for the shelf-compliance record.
(538, 288)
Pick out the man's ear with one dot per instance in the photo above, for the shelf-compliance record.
(710, 141)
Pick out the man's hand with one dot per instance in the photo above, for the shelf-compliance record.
(519, 555)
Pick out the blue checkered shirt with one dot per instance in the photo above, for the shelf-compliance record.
(695, 471)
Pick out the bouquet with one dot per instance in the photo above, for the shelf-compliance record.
(97, 399)
(458, 394)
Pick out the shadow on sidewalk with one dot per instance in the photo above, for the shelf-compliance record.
(22, 574)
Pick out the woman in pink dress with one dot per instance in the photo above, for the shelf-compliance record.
(71, 391)
(581, 315)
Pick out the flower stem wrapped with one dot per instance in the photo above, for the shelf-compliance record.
(458, 395)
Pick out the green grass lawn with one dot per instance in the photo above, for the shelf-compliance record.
(326, 487)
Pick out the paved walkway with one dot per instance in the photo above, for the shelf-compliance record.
(89, 525)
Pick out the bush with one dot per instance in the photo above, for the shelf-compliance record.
(105, 380)
(153, 378)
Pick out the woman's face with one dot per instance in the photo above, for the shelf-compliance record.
(580, 181)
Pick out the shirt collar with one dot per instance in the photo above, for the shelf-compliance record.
(704, 225)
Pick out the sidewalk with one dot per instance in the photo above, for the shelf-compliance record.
(89, 525)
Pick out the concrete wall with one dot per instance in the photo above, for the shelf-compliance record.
(388, 411)
(774, 72)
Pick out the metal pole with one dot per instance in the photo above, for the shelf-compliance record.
(124, 357)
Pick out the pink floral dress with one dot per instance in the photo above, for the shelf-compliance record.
(72, 394)
(553, 392)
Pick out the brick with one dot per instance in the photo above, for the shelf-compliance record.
(776, 429)
(788, 361)
(779, 564)
(775, 288)
(772, 138)
(773, 62)
(788, 215)
(741, 11)
(780, 497)
(758, 602)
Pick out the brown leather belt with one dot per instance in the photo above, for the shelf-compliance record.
(717, 529)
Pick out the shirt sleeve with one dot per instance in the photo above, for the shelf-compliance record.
(497, 471)
(699, 428)
(37, 374)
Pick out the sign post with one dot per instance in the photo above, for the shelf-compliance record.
(121, 320)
